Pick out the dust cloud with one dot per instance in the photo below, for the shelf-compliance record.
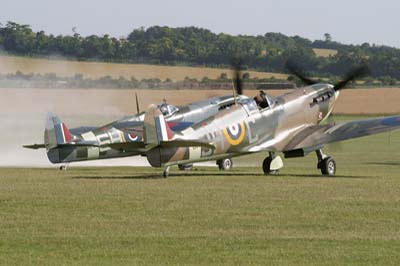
(22, 117)
(23, 112)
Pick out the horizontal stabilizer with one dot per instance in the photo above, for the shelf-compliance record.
(35, 146)
(75, 144)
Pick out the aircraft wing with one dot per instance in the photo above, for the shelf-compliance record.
(315, 137)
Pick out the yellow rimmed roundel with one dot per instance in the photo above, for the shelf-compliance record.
(235, 133)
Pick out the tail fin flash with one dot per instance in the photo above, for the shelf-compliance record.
(156, 129)
(56, 132)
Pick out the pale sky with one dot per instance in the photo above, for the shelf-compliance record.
(348, 21)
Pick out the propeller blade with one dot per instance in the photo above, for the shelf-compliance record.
(237, 76)
(137, 104)
(238, 83)
(355, 73)
(295, 69)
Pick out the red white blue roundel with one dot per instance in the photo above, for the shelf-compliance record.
(235, 133)
(129, 137)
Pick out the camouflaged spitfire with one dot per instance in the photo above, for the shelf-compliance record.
(219, 129)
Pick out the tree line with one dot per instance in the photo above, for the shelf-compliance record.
(201, 47)
(52, 80)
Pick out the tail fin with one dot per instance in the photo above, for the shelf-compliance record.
(156, 129)
(56, 132)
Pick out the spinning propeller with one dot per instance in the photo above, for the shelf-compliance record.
(353, 74)
(237, 75)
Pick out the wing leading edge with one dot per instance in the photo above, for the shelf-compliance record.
(315, 137)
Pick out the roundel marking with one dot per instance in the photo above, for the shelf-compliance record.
(131, 137)
(235, 133)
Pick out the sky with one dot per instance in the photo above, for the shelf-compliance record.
(348, 21)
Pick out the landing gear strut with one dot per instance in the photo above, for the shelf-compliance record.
(225, 164)
(326, 164)
(272, 164)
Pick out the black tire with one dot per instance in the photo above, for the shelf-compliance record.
(185, 167)
(328, 166)
(267, 167)
(225, 164)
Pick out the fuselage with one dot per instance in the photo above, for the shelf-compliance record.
(130, 129)
(245, 128)
(234, 129)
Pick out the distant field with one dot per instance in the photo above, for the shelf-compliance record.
(324, 52)
(11, 64)
(122, 101)
(131, 216)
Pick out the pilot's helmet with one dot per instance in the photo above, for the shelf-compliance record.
(263, 95)
(258, 98)
(164, 109)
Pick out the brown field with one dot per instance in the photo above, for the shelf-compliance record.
(121, 101)
(12, 64)
(324, 52)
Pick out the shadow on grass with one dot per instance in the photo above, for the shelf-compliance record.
(119, 177)
(384, 163)
(326, 177)
(171, 175)
(209, 174)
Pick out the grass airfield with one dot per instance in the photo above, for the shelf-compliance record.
(131, 216)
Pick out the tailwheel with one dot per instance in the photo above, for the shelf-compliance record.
(272, 164)
(225, 164)
(326, 164)
(166, 172)
(63, 167)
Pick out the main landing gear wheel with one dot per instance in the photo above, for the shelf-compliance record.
(225, 164)
(326, 164)
(185, 167)
(272, 164)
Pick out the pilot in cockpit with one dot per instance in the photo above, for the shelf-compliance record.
(167, 109)
(262, 99)
(164, 109)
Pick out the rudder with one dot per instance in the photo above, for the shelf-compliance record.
(156, 129)
(56, 132)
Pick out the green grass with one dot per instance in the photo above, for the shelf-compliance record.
(130, 216)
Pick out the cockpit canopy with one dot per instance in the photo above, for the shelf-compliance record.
(167, 109)
(249, 104)
(263, 100)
